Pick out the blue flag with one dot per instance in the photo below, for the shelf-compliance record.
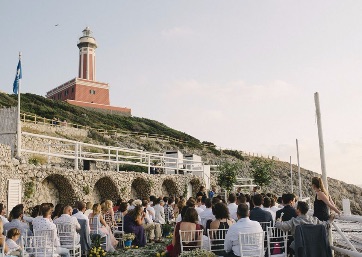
(17, 78)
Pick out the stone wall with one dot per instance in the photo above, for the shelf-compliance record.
(62, 185)
(60, 129)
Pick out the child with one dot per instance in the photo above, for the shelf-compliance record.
(13, 235)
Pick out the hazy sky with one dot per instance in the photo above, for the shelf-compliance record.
(241, 74)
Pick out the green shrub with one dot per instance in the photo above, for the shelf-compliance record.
(37, 160)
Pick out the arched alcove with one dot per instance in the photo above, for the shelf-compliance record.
(107, 189)
(140, 188)
(169, 188)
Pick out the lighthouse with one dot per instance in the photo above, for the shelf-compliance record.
(87, 55)
(84, 90)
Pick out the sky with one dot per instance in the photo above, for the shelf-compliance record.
(241, 74)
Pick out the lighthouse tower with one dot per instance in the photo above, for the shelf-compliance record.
(87, 55)
(84, 90)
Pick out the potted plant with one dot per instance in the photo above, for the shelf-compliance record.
(128, 238)
(166, 229)
(96, 249)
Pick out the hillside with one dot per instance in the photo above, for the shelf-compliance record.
(280, 183)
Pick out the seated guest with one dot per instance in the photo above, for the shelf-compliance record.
(89, 210)
(177, 209)
(45, 223)
(257, 213)
(273, 206)
(103, 228)
(81, 206)
(108, 214)
(35, 211)
(243, 225)
(168, 210)
(12, 237)
(189, 222)
(190, 203)
(2, 213)
(67, 218)
(58, 211)
(133, 221)
(288, 210)
(232, 206)
(17, 221)
(222, 221)
(2, 238)
(153, 229)
(198, 205)
(266, 204)
(123, 208)
(302, 218)
(207, 214)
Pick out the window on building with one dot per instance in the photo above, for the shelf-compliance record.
(92, 92)
(72, 89)
(66, 92)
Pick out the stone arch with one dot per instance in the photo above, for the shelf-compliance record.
(140, 188)
(169, 187)
(56, 189)
(195, 183)
(107, 189)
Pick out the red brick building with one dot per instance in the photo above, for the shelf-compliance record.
(84, 91)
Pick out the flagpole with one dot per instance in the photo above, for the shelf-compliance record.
(18, 149)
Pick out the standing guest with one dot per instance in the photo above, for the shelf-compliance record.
(273, 207)
(159, 211)
(257, 213)
(288, 210)
(232, 206)
(322, 200)
(207, 214)
(2, 237)
(212, 192)
(201, 192)
(104, 229)
(89, 209)
(238, 192)
(168, 209)
(13, 236)
(17, 221)
(243, 225)
(45, 223)
(133, 224)
(255, 191)
(2, 213)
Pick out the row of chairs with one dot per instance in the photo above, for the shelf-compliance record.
(251, 244)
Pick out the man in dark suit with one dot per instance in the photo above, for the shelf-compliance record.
(257, 213)
(288, 210)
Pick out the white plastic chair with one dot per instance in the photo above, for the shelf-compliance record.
(277, 242)
(216, 239)
(191, 240)
(265, 226)
(67, 236)
(39, 246)
(118, 231)
(251, 244)
(94, 225)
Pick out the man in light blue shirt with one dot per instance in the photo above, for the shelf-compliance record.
(243, 225)
(16, 222)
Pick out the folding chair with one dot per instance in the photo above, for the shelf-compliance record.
(216, 240)
(118, 232)
(190, 240)
(251, 244)
(94, 225)
(68, 239)
(265, 226)
(277, 242)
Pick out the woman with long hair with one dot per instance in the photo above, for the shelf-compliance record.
(322, 200)
(133, 221)
(107, 209)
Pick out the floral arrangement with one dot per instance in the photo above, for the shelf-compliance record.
(97, 252)
(198, 253)
(166, 228)
(129, 236)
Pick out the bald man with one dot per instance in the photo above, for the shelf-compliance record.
(66, 218)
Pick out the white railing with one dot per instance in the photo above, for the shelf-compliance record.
(79, 151)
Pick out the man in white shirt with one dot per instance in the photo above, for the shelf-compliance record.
(159, 211)
(243, 225)
(266, 204)
(232, 206)
(198, 205)
(207, 213)
(153, 229)
(81, 206)
(45, 223)
(66, 218)
(2, 213)
(89, 210)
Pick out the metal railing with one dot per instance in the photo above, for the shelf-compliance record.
(79, 151)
